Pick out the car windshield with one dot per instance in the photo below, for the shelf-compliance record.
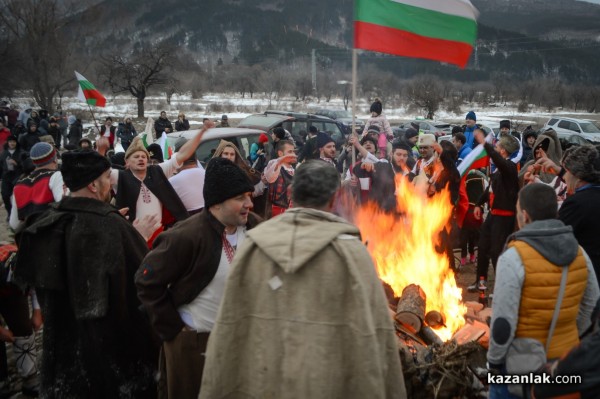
(342, 114)
(589, 128)
(265, 122)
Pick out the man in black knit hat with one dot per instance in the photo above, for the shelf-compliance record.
(181, 281)
(81, 256)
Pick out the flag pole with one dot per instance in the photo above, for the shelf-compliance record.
(354, 62)
(94, 118)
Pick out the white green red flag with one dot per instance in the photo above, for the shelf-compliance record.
(478, 158)
(167, 150)
(440, 30)
(88, 92)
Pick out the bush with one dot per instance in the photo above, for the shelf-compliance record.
(523, 106)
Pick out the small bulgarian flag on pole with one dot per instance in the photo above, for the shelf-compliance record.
(440, 30)
(88, 92)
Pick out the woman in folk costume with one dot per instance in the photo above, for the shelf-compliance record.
(227, 149)
(385, 130)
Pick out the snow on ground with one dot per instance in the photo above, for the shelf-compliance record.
(236, 107)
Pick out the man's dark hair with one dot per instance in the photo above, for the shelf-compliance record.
(313, 129)
(315, 183)
(281, 144)
(279, 132)
(461, 137)
(539, 200)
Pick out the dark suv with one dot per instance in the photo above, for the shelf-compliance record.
(296, 123)
(343, 116)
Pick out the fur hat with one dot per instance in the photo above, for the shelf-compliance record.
(505, 123)
(323, 139)
(583, 162)
(376, 107)
(398, 145)
(509, 143)
(155, 152)
(80, 168)
(426, 139)
(471, 115)
(224, 180)
(135, 146)
(42, 154)
(410, 133)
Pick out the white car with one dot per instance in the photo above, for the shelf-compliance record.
(569, 126)
(243, 138)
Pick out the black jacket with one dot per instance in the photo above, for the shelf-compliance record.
(504, 183)
(81, 256)
(182, 125)
(581, 211)
(160, 125)
(183, 261)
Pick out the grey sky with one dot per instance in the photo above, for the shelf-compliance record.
(592, 1)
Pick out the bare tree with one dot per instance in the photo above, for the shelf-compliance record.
(577, 95)
(425, 91)
(37, 29)
(136, 74)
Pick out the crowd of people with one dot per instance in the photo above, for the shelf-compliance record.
(245, 276)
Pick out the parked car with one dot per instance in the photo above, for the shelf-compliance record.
(569, 126)
(297, 124)
(343, 116)
(243, 138)
(438, 128)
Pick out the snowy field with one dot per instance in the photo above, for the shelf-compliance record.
(213, 105)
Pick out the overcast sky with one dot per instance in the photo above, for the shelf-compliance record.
(592, 1)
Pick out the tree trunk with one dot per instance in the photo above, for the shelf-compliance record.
(140, 106)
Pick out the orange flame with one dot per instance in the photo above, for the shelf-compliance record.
(403, 249)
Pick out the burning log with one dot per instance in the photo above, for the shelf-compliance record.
(411, 307)
(435, 319)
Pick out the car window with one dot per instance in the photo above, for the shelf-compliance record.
(552, 121)
(568, 125)
(206, 149)
(260, 120)
(589, 128)
(577, 140)
(424, 126)
(443, 126)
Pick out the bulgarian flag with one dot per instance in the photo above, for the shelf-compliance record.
(440, 30)
(167, 150)
(88, 92)
(478, 158)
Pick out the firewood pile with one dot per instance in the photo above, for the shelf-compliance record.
(433, 368)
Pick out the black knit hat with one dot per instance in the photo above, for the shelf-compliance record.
(410, 133)
(224, 180)
(368, 138)
(323, 139)
(80, 168)
(505, 123)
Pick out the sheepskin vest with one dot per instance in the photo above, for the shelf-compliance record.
(538, 299)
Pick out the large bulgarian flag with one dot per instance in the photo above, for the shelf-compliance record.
(88, 92)
(440, 30)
